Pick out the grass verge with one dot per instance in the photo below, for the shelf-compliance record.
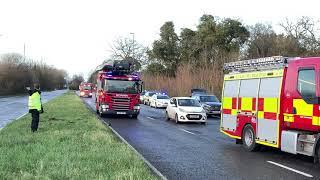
(70, 144)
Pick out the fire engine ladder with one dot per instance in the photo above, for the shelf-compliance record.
(260, 64)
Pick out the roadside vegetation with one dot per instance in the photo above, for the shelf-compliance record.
(195, 58)
(16, 73)
(71, 143)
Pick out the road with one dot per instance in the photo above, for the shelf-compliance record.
(13, 107)
(195, 151)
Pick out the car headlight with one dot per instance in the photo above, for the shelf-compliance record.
(90, 94)
(136, 107)
(105, 106)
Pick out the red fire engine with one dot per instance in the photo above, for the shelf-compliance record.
(86, 89)
(273, 101)
(118, 90)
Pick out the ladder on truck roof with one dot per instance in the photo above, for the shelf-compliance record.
(260, 64)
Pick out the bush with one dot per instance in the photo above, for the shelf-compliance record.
(16, 73)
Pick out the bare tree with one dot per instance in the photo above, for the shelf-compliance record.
(127, 48)
(305, 31)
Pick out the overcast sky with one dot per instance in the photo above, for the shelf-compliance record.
(76, 35)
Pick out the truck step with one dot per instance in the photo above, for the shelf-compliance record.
(305, 153)
(306, 141)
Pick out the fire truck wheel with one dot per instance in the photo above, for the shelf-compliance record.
(248, 138)
(176, 119)
(134, 116)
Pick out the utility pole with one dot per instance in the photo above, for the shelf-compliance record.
(24, 51)
(132, 45)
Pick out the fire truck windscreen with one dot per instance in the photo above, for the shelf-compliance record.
(121, 86)
(87, 87)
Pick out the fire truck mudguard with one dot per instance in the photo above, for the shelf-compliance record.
(275, 101)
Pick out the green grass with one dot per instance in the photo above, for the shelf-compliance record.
(71, 143)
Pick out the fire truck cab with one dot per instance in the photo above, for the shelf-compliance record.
(118, 90)
(86, 89)
(273, 101)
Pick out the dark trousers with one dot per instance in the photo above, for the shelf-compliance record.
(35, 120)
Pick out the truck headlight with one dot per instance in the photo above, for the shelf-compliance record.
(136, 107)
(105, 106)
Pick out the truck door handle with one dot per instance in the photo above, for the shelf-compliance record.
(294, 110)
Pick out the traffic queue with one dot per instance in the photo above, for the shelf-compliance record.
(195, 108)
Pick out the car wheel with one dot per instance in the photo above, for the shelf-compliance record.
(249, 138)
(176, 119)
(167, 116)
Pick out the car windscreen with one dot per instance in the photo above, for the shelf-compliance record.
(87, 87)
(119, 86)
(209, 99)
(189, 102)
(151, 94)
(163, 97)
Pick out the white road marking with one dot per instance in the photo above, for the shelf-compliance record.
(151, 118)
(291, 169)
(187, 131)
(22, 115)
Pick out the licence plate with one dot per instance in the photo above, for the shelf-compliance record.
(121, 113)
(194, 116)
(216, 112)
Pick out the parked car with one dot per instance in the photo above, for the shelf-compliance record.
(142, 96)
(185, 109)
(159, 101)
(147, 97)
(210, 103)
(198, 91)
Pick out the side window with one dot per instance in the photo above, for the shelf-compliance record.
(231, 88)
(249, 88)
(307, 85)
(269, 87)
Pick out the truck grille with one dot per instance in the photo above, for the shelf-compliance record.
(120, 104)
(215, 108)
(190, 116)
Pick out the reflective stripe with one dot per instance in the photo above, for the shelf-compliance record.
(254, 75)
(303, 108)
(227, 103)
(246, 104)
(270, 105)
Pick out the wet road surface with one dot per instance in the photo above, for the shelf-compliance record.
(12, 107)
(195, 151)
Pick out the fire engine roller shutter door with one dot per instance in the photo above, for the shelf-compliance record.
(268, 109)
(229, 105)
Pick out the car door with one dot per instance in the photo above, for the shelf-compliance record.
(170, 107)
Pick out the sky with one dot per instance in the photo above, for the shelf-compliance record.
(76, 35)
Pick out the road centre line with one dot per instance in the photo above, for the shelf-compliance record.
(187, 131)
(151, 118)
(291, 169)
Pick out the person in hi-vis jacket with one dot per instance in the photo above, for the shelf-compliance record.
(35, 106)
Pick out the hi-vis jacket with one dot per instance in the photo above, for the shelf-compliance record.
(34, 100)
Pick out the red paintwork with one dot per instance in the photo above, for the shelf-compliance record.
(86, 91)
(288, 93)
(104, 97)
